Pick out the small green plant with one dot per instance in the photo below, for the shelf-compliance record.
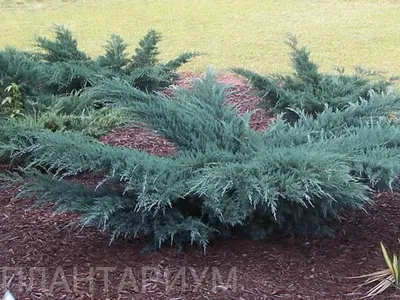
(13, 104)
(384, 278)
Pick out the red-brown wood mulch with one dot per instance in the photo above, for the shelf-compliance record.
(39, 242)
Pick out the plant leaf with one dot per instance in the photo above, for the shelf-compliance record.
(387, 258)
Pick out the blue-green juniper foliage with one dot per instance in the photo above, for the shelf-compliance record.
(309, 89)
(224, 178)
(51, 79)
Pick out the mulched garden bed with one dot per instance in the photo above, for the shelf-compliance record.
(286, 268)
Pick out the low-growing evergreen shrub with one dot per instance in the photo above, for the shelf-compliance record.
(50, 83)
(59, 67)
(309, 89)
(224, 177)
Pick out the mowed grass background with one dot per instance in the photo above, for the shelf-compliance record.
(246, 33)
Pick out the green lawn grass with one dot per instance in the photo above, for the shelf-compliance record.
(246, 33)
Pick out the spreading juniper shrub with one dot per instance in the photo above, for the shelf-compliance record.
(309, 89)
(224, 177)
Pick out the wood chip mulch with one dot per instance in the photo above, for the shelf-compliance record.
(45, 256)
